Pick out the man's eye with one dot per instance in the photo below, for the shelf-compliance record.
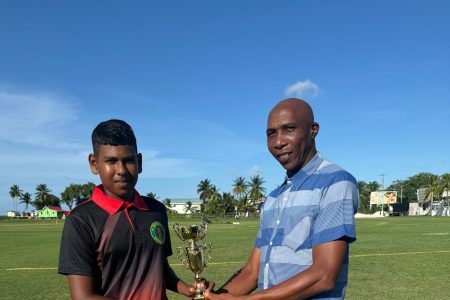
(290, 128)
(110, 161)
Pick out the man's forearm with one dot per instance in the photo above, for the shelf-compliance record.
(301, 286)
(320, 277)
(241, 283)
(171, 279)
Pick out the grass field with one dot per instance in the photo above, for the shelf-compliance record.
(393, 258)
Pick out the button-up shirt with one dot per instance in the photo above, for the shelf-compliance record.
(315, 206)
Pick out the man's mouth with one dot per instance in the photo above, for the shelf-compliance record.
(122, 182)
(283, 157)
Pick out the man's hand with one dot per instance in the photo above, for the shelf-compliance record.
(204, 284)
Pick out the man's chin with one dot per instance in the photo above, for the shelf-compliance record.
(125, 195)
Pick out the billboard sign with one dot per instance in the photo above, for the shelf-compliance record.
(383, 197)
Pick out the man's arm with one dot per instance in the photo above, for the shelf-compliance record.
(245, 280)
(320, 277)
(175, 284)
(83, 288)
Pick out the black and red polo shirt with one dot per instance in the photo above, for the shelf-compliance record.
(123, 245)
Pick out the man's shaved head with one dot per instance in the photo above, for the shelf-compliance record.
(291, 133)
(302, 109)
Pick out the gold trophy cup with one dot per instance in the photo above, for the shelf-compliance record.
(194, 255)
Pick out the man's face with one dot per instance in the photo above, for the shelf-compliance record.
(290, 138)
(118, 168)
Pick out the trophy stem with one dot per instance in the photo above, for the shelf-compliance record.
(198, 288)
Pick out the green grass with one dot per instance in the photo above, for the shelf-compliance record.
(393, 258)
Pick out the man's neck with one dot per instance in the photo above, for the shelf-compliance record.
(308, 159)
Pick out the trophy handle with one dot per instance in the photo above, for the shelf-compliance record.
(177, 230)
(205, 226)
(208, 249)
(182, 257)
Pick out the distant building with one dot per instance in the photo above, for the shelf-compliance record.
(51, 212)
(179, 205)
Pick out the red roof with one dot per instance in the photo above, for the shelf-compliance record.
(55, 208)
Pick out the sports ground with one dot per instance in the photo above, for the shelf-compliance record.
(393, 258)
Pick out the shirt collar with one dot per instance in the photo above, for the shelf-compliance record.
(112, 205)
(300, 177)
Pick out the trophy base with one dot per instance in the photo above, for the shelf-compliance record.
(199, 297)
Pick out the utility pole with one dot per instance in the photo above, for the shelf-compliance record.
(382, 188)
(401, 194)
(382, 180)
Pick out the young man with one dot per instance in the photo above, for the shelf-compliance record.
(301, 249)
(116, 244)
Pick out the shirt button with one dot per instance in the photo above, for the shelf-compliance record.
(270, 243)
(278, 221)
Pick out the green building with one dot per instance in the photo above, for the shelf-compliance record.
(51, 212)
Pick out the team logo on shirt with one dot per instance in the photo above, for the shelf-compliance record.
(157, 232)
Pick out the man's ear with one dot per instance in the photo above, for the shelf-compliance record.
(93, 163)
(314, 129)
(139, 157)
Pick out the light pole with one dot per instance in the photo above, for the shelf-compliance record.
(401, 194)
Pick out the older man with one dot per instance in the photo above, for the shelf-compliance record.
(307, 223)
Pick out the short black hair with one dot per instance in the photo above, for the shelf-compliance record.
(113, 132)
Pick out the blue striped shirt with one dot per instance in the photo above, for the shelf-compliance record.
(315, 206)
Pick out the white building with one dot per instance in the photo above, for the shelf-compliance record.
(180, 205)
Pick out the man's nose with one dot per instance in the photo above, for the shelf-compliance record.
(280, 141)
(120, 168)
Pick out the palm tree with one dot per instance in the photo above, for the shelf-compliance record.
(215, 198)
(152, 195)
(434, 190)
(256, 189)
(41, 196)
(15, 192)
(445, 180)
(188, 207)
(26, 199)
(167, 202)
(373, 186)
(205, 190)
(364, 197)
(240, 187)
(227, 204)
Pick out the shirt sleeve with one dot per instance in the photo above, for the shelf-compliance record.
(338, 206)
(258, 240)
(77, 252)
(168, 245)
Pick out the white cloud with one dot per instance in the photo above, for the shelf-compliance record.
(36, 119)
(256, 170)
(156, 167)
(303, 89)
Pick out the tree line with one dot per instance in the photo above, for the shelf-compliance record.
(73, 195)
(245, 196)
(435, 186)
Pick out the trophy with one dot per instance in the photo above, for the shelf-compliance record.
(194, 255)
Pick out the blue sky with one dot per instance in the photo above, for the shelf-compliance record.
(196, 80)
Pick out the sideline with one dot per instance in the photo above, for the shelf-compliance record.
(243, 262)
(53, 268)
(29, 269)
(399, 253)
